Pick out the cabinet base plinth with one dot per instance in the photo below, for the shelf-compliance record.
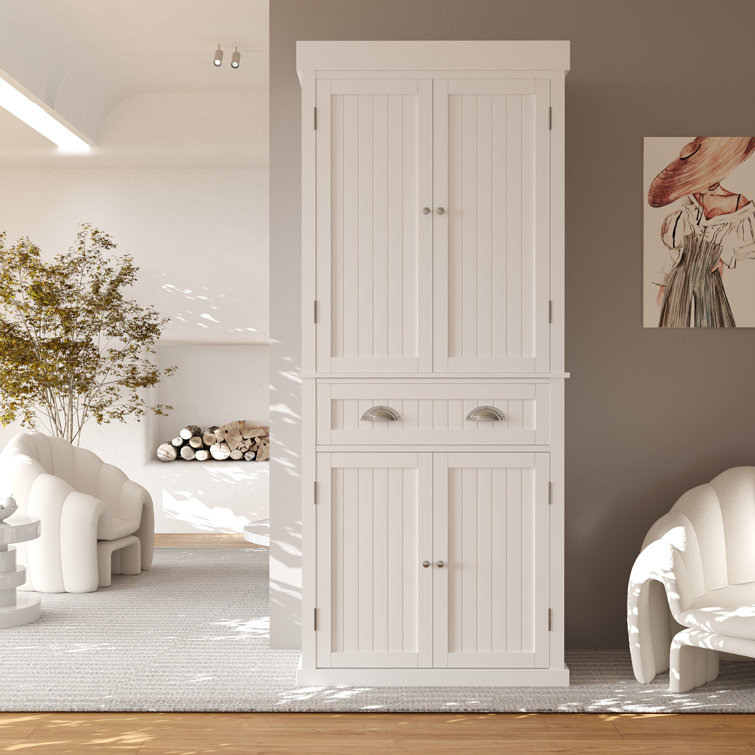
(433, 677)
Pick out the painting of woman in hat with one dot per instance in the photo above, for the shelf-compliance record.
(710, 228)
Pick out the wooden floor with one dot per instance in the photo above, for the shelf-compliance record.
(202, 540)
(189, 733)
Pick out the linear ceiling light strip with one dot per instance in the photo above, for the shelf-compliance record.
(36, 117)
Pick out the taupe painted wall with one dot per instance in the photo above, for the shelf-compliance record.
(649, 412)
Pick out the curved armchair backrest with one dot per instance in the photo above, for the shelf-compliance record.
(712, 526)
(28, 455)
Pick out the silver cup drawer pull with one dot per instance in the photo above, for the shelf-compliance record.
(485, 414)
(381, 414)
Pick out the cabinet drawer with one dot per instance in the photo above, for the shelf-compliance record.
(433, 413)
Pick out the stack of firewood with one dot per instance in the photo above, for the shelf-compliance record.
(234, 441)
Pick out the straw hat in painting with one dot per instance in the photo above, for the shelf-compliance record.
(701, 164)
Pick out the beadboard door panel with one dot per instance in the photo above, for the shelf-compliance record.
(374, 245)
(433, 413)
(374, 528)
(491, 245)
(490, 522)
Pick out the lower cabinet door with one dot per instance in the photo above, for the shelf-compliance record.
(490, 530)
(374, 530)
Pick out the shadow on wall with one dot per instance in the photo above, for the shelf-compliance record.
(288, 556)
(281, 402)
(201, 310)
(188, 494)
(286, 548)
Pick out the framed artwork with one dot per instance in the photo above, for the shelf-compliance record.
(699, 232)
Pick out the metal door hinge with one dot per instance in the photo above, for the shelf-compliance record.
(550, 493)
(550, 311)
(315, 619)
(314, 312)
(550, 119)
(550, 619)
(315, 119)
(314, 492)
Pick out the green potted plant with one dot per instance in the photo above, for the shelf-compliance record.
(73, 348)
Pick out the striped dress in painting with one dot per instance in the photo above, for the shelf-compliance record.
(695, 295)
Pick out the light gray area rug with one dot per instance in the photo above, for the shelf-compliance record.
(192, 635)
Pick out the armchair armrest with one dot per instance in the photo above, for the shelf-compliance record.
(136, 504)
(658, 590)
(81, 518)
(69, 536)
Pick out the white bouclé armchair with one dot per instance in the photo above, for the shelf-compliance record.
(692, 588)
(95, 521)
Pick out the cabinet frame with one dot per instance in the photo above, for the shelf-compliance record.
(546, 62)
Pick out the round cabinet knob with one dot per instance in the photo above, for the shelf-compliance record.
(425, 564)
(426, 210)
(440, 564)
(440, 210)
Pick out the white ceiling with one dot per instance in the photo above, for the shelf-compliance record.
(15, 133)
(84, 57)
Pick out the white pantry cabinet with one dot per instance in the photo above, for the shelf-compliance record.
(433, 370)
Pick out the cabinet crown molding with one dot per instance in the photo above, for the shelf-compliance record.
(481, 55)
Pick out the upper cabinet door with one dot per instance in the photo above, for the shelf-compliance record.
(491, 240)
(374, 243)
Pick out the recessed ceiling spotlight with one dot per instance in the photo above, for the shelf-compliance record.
(218, 57)
(235, 58)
